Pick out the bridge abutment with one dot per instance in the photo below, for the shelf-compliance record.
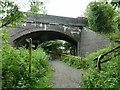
(91, 42)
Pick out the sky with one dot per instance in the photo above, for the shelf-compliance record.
(66, 8)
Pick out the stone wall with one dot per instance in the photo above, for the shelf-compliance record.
(81, 21)
(91, 42)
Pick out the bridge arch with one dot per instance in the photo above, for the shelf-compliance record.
(57, 27)
(41, 36)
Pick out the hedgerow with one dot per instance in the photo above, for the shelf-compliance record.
(15, 67)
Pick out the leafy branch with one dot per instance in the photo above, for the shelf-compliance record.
(10, 14)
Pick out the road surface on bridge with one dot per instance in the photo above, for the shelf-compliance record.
(65, 76)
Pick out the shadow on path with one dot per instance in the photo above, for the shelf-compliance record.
(65, 76)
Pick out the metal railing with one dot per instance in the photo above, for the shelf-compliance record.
(100, 59)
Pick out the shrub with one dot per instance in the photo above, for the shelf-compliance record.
(74, 61)
(108, 77)
(15, 71)
(89, 59)
(15, 68)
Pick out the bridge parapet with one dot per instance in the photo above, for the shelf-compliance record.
(29, 27)
(80, 21)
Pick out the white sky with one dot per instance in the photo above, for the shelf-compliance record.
(67, 8)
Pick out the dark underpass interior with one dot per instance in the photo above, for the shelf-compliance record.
(41, 36)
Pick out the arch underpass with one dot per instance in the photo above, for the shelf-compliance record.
(41, 36)
(47, 32)
(47, 27)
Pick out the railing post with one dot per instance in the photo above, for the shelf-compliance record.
(100, 57)
(98, 62)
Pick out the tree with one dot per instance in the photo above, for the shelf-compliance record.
(115, 3)
(37, 8)
(10, 14)
(58, 46)
(52, 45)
(69, 47)
(102, 17)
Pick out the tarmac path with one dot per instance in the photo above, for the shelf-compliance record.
(65, 76)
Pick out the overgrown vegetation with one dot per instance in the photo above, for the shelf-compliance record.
(54, 48)
(51, 46)
(103, 18)
(74, 61)
(108, 77)
(37, 7)
(15, 68)
(10, 14)
(83, 62)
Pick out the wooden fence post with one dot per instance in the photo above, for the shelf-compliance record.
(30, 55)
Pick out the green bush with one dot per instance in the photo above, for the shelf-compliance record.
(102, 17)
(41, 68)
(85, 62)
(89, 59)
(15, 67)
(114, 36)
(74, 61)
(108, 77)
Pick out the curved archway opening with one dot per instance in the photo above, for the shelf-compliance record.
(42, 36)
(56, 48)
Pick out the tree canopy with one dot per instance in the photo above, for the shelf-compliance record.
(37, 8)
(102, 17)
(10, 12)
(52, 45)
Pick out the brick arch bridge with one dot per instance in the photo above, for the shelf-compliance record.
(48, 27)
